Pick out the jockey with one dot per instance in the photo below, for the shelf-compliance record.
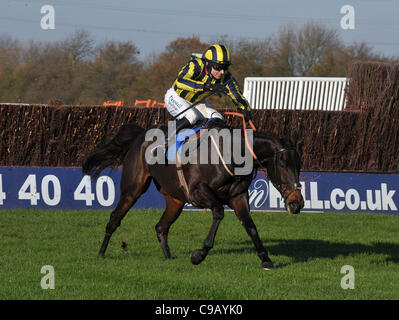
(195, 80)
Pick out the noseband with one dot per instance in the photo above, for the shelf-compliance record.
(279, 185)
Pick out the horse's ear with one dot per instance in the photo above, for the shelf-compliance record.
(294, 137)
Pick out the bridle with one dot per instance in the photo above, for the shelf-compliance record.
(280, 184)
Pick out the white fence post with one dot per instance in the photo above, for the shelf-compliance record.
(300, 93)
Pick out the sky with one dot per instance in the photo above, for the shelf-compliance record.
(153, 24)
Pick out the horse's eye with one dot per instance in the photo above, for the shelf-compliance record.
(282, 161)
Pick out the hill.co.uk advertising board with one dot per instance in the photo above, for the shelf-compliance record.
(67, 188)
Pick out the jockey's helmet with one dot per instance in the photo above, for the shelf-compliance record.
(217, 54)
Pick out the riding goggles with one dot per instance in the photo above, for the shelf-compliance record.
(220, 66)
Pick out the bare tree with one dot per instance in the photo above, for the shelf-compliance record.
(281, 61)
(296, 52)
(312, 42)
(78, 46)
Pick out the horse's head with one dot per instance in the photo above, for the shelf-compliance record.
(282, 163)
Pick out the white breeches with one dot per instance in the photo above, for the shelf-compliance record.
(176, 104)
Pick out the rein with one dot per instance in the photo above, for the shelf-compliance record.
(245, 132)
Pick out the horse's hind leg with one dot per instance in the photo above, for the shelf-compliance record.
(131, 189)
(125, 203)
(240, 206)
(199, 255)
(173, 209)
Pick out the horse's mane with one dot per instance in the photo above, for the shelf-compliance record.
(220, 124)
(265, 135)
(270, 137)
(283, 141)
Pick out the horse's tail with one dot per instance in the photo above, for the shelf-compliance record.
(112, 153)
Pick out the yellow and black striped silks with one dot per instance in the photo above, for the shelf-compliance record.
(190, 81)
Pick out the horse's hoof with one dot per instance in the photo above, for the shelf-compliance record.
(267, 265)
(196, 257)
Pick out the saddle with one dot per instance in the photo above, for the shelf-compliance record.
(183, 136)
(186, 135)
(174, 152)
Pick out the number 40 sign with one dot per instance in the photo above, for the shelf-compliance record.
(49, 190)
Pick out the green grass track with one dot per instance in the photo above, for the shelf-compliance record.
(308, 250)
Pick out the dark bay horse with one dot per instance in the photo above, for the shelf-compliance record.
(208, 186)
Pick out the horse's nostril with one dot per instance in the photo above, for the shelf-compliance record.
(294, 207)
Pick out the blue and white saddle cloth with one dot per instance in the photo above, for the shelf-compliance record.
(181, 138)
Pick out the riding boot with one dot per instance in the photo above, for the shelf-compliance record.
(180, 124)
(217, 123)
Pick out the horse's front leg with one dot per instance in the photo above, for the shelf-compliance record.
(199, 255)
(240, 205)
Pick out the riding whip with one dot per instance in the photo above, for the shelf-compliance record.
(193, 105)
(202, 100)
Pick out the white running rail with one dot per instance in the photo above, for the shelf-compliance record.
(296, 93)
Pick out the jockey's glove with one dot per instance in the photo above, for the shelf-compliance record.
(217, 88)
(247, 114)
